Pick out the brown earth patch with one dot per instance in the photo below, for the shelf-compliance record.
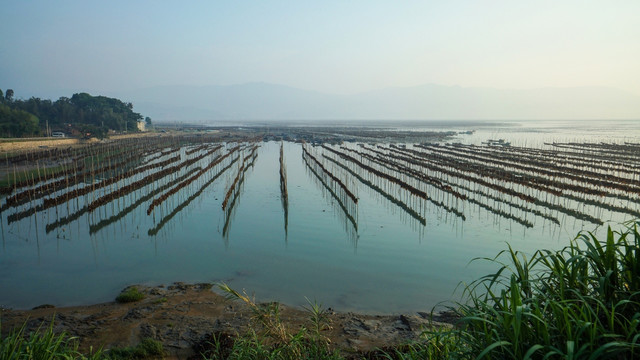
(19, 145)
(184, 316)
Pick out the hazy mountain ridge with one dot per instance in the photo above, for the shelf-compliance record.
(263, 101)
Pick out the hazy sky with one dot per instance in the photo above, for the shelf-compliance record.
(330, 46)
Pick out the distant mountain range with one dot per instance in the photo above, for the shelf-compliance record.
(263, 101)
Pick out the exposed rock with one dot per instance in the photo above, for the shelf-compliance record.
(414, 323)
(371, 325)
(134, 314)
(148, 331)
(157, 291)
(44, 306)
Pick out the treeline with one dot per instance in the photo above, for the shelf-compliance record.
(81, 115)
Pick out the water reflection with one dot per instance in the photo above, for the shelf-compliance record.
(235, 190)
(284, 192)
(93, 228)
(154, 231)
(119, 244)
(349, 212)
(414, 214)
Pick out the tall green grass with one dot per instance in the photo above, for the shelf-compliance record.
(582, 302)
(147, 348)
(47, 345)
(42, 345)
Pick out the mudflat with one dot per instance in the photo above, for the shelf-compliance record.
(185, 316)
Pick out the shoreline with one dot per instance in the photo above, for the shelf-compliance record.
(183, 316)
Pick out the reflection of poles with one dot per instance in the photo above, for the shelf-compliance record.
(412, 190)
(235, 184)
(165, 219)
(283, 188)
(102, 223)
(239, 175)
(237, 188)
(380, 191)
(177, 188)
(4, 244)
(49, 202)
(317, 164)
(352, 231)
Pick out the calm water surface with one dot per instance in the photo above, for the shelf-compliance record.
(390, 263)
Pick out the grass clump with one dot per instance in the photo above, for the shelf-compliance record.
(41, 345)
(148, 348)
(161, 300)
(269, 338)
(131, 294)
(582, 302)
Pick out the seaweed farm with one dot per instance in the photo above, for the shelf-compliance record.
(369, 225)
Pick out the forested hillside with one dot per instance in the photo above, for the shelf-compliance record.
(82, 114)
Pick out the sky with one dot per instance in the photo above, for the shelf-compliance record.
(338, 47)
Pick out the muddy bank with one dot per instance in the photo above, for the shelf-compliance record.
(182, 316)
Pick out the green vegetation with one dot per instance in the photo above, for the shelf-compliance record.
(82, 114)
(253, 346)
(41, 345)
(131, 294)
(148, 348)
(161, 300)
(44, 345)
(582, 302)
(270, 338)
(17, 123)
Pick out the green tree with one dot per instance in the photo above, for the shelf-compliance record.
(101, 112)
(17, 123)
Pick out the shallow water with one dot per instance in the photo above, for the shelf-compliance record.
(383, 262)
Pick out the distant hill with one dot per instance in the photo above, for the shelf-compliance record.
(263, 101)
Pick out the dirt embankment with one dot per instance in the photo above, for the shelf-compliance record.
(18, 145)
(183, 316)
(11, 146)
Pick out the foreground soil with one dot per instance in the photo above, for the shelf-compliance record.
(184, 316)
